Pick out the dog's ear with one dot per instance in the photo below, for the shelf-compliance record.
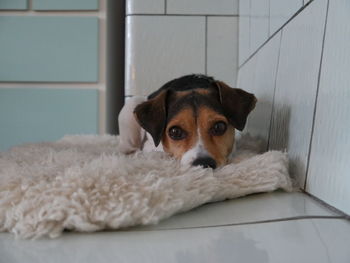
(236, 103)
(151, 115)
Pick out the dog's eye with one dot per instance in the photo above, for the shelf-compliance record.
(176, 133)
(219, 128)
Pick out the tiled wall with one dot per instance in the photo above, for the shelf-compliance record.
(169, 38)
(52, 74)
(294, 55)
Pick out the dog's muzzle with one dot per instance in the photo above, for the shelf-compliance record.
(205, 162)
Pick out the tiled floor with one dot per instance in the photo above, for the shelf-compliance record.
(276, 227)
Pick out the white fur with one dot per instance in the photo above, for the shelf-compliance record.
(84, 183)
(131, 134)
(198, 150)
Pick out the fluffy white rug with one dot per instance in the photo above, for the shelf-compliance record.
(82, 183)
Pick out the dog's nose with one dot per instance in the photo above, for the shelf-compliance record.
(206, 162)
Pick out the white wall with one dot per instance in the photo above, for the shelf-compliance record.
(299, 72)
(166, 39)
(293, 54)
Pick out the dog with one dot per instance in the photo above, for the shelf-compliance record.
(193, 118)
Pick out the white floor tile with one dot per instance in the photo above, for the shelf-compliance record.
(260, 207)
(312, 240)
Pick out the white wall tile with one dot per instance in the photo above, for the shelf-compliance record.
(281, 11)
(259, 23)
(145, 7)
(258, 76)
(160, 48)
(246, 75)
(296, 85)
(245, 81)
(210, 7)
(222, 48)
(329, 169)
(244, 31)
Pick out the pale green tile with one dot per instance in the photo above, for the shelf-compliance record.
(13, 4)
(34, 115)
(48, 49)
(65, 4)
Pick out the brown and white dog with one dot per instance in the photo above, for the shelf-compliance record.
(193, 118)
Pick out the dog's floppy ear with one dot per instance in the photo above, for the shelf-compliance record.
(151, 115)
(236, 103)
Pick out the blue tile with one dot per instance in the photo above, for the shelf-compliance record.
(65, 4)
(34, 115)
(13, 4)
(48, 49)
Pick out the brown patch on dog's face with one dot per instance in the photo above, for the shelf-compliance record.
(218, 145)
(185, 121)
(195, 118)
(199, 137)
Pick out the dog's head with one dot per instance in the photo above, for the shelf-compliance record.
(195, 117)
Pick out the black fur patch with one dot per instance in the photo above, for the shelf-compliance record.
(193, 100)
(163, 104)
(188, 82)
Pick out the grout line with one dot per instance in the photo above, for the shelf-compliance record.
(316, 97)
(165, 6)
(295, 218)
(51, 13)
(274, 90)
(46, 83)
(53, 87)
(317, 230)
(208, 15)
(328, 206)
(268, 39)
(206, 47)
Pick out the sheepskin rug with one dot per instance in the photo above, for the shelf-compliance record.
(82, 183)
